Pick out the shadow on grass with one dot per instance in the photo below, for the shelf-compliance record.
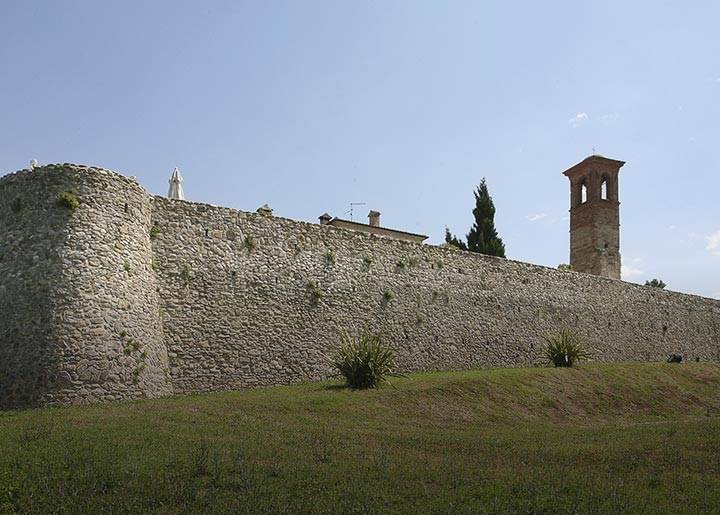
(341, 386)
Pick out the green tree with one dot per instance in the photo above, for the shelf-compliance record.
(656, 283)
(454, 241)
(483, 237)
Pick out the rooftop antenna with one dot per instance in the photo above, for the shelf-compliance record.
(352, 208)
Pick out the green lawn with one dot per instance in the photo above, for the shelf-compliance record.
(601, 438)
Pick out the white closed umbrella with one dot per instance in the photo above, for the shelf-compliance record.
(176, 190)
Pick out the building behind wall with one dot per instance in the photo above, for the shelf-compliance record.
(372, 227)
(595, 216)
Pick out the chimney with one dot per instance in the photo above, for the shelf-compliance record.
(324, 219)
(374, 217)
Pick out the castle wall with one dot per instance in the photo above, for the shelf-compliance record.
(131, 296)
(77, 292)
(32, 230)
(239, 315)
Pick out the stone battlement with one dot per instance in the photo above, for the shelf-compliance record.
(129, 295)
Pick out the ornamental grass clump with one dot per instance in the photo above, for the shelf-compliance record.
(564, 348)
(364, 361)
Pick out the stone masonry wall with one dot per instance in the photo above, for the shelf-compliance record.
(239, 307)
(32, 230)
(132, 296)
(80, 318)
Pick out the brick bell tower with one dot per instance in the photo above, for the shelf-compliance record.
(595, 216)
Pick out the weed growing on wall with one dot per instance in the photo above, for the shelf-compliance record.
(154, 231)
(330, 257)
(315, 292)
(130, 347)
(368, 261)
(126, 265)
(68, 200)
(185, 273)
(250, 243)
(413, 261)
(137, 371)
(401, 264)
(364, 361)
(388, 295)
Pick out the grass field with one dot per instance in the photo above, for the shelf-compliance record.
(641, 438)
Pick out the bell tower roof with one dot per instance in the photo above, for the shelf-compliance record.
(582, 166)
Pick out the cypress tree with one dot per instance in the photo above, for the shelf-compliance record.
(483, 237)
(454, 241)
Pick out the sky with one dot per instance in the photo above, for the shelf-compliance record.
(401, 105)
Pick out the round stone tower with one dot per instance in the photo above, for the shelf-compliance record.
(80, 316)
(595, 216)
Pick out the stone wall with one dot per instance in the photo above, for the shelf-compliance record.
(77, 291)
(220, 299)
(32, 232)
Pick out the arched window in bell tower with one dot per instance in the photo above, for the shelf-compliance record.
(583, 193)
(604, 189)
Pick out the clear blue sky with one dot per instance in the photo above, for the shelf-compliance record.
(405, 105)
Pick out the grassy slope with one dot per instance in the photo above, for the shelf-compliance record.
(607, 438)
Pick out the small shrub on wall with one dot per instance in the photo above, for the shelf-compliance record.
(364, 361)
(185, 273)
(564, 348)
(330, 257)
(68, 200)
(316, 293)
(250, 243)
